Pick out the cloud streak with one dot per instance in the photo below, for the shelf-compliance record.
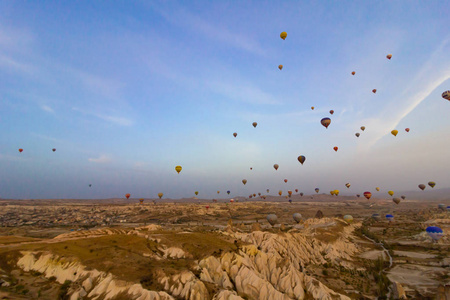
(109, 118)
(102, 159)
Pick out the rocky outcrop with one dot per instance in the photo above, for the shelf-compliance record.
(398, 291)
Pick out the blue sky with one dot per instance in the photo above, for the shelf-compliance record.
(126, 91)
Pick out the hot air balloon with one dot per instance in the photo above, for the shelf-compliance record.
(378, 189)
(127, 196)
(331, 111)
(275, 166)
(285, 180)
(403, 197)
(353, 73)
(448, 208)
(296, 190)
(363, 128)
(312, 107)
(389, 217)
(280, 192)
(228, 192)
(251, 196)
(348, 185)
(358, 195)
(446, 95)
(178, 169)
(254, 124)
(235, 134)
(280, 67)
(141, 201)
(348, 219)
(391, 193)
(331, 193)
(422, 186)
(316, 190)
(301, 194)
(272, 219)
(442, 206)
(231, 200)
(267, 190)
(389, 56)
(357, 134)
(290, 201)
(218, 192)
(396, 200)
(244, 181)
(374, 91)
(297, 217)
(335, 148)
(54, 149)
(435, 233)
(376, 217)
(259, 194)
(254, 195)
(160, 195)
(325, 122)
(283, 35)
(336, 192)
(407, 129)
(196, 193)
(90, 185)
(394, 132)
(251, 168)
(301, 159)
(20, 150)
(290, 193)
(367, 195)
(207, 207)
(432, 184)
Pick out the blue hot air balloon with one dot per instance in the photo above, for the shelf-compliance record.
(290, 200)
(448, 208)
(228, 192)
(389, 217)
(435, 232)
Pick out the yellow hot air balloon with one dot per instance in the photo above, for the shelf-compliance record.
(280, 67)
(394, 132)
(336, 192)
(331, 193)
(283, 35)
(218, 192)
(378, 189)
(244, 181)
(280, 192)
(432, 184)
(178, 169)
(196, 193)
(160, 195)
(389, 56)
(391, 193)
(312, 107)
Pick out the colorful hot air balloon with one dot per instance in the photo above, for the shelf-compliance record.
(178, 169)
(254, 124)
(283, 35)
(141, 201)
(301, 159)
(196, 193)
(127, 196)
(228, 192)
(325, 122)
(396, 200)
(407, 129)
(280, 67)
(422, 186)
(235, 134)
(357, 134)
(20, 150)
(285, 180)
(316, 190)
(378, 189)
(348, 185)
(244, 181)
(391, 193)
(432, 184)
(331, 111)
(435, 233)
(389, 56)
(160, 195)
(353, 73)
(231, 200)
(280, 192)
(54, 149)
(275, 166)
(272, 219)
(290, 193)
(297, 217)
(259, 194)
(335, 148)
(374, 91)
(312, 107)
(296, 190)
(348, 219)
(446, 95)
(403, 197)
(389, 217)
(394, 132)
(367, 195)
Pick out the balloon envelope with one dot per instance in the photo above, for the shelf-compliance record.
(389, 217)
(367, 195)
(127, 196)
(280, 193)
(353, 73)
(407, 129)
(178, 169)
(54, 149)
(403, 197)
(374, 91)
(335, 148)
(196, 193)
(394, 132)
(272, 219)
(348, 219)
(301, 159)
(160, 195)
(435, 232)
(389, 56)
(297, 217)
(285, 180)
(254, 124)
(325, 122)
(446, 95)
(280, 67)
(276, 166)
(363, 128)
(422, 186)
(235, 134)
(228, 192)
(283, 35)
(20, 150)
(378, 189)
(391, 193)
(432, 184)
(331, 111)
(317, 190)
(244, 181)
(357, 134)
(396, 200)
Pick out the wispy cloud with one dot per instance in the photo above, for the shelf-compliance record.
(113, 119)
(47, 108)
(45, 137)
(102, 159)
(14, 65)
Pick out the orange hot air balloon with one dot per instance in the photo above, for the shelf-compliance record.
(128, 196)
(336, 149)
(283, 35)
(178, 169)
(285, 180)
(331, 193)
(296, 190)
(254, 124)
(231, 200)
(389, 56)
(276, 166)
(254, 195)
(394, 132)
(235, 134)
(141, 201)
(244, 181)
(20, 150)
(290, 193)
(325, 122)
(367, 195)
(446, 95)
(353, 73)
(280, 193)
(374, 91)
(218, 192)
(280, 67)
(331, 111)
(312, 107)
(407, 129)
(160, 195)
(363, 128)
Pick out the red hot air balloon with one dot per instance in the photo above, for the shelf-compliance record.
(367, 195)
(336, 149)
(20, 150)
(296, 190)
(353, 73)
(276, 166)
(285, 180)
(331, 111)
(235, 134)
(407, 129)
(128, 196)
(374, 91)
(54, 149)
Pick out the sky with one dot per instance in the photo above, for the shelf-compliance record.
(127, 90)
